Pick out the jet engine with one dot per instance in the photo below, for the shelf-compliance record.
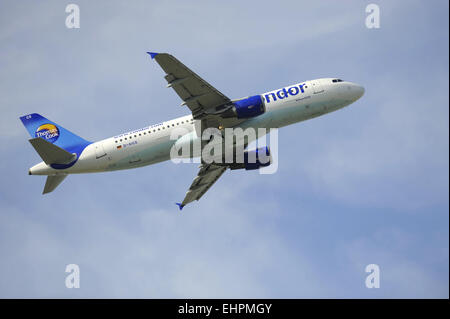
(254, 159)
(246, 108)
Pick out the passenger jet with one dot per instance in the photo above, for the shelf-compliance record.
(64, 152)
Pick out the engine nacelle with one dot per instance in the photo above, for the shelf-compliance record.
(246, 108)
(254, 159)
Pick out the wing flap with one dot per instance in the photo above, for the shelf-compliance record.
(204, 101)
(206, 177)
(195, 92)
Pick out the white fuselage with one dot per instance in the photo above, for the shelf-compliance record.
(152, 144)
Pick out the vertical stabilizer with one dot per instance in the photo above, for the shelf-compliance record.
(39, 126)
(52, 182)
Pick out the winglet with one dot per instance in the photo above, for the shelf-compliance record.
(152, 54)
(180, 205)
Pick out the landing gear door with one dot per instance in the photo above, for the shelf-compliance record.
(134, 157)
(317, 88)
(99, 150)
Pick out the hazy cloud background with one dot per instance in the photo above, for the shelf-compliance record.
(367, 184)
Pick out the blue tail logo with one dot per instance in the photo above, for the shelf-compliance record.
(39, 126)
(48, 132)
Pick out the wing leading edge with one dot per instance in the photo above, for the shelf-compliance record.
(197, 94)
(206, 177)
(205, 103)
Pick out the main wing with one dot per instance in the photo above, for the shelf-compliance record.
(206, 104)
(195, 92)
(206, 177)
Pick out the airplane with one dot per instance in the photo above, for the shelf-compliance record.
(64, 152)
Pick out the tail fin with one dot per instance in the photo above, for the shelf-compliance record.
(39, 126)
(52, 182)
(50, 153)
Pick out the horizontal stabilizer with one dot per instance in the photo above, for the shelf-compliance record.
(50, 153)
(52, 182)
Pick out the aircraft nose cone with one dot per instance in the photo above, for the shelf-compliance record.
(351, 91)
(358, 91)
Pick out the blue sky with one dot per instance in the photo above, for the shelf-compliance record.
(367, 184)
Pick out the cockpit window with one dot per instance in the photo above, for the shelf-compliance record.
(337, 80)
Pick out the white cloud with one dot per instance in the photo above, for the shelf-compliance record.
(400, 276)
(251, 235)
(390, 144)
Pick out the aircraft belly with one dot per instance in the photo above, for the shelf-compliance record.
(145, 154)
